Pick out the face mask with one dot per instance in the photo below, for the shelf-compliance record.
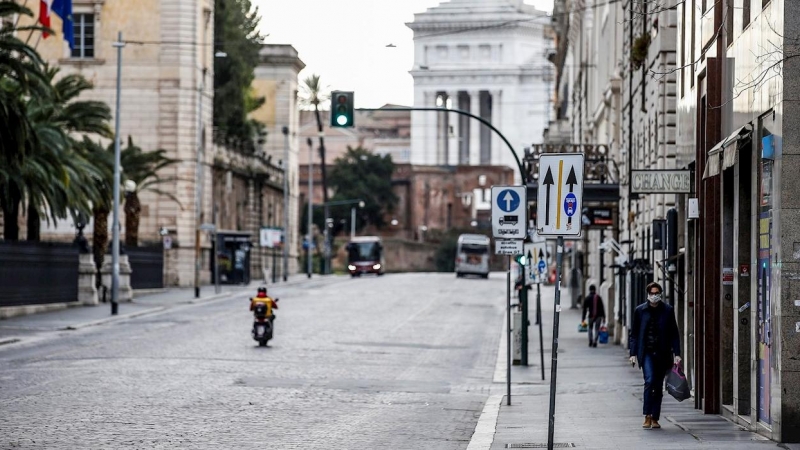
(654, 298)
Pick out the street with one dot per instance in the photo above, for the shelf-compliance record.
(399, 362)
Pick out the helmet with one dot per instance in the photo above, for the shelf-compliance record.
(262, 292)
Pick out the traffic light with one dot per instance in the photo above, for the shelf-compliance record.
(522, 260)
(342, 109)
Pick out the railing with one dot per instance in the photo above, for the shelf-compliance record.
(34, 273)
(147, 267)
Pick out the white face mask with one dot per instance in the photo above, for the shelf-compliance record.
(654, 298)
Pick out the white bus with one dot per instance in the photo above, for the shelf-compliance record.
(472, 255)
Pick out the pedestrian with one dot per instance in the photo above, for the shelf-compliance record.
(655, 343)
(593, 305)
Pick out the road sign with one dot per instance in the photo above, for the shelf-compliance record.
(510, 247)
(509, 207)
(537, 262)
(560, 194)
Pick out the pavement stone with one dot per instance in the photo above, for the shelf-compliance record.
(402, 361)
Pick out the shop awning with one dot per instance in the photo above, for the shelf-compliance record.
(730, 153)
(725, 148)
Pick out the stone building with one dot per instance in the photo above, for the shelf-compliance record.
(487, 57)
(167, 103)
(707, 198)
(736, 132)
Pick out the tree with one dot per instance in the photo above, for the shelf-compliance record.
(143, 169)
(360, 174)
(236, 34)
(20, 75)
(57, 115)
(311, 97)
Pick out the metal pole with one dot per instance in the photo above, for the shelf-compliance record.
(508, 335)
(216, 253)
(286, 234)
(310, 204)
(352, 222)
(326, 235)
(198, 202)
(115, 233)
(539, 321)
(523, 303)
(554, 368)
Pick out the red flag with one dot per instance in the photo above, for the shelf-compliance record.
(44, 14)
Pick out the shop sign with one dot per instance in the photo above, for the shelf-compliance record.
(661, 181)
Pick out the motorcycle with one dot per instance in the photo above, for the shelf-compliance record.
(264, 319)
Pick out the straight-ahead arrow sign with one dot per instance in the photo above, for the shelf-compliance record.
(571, 182)
(548, 181)
(560, 194)
(509, 199)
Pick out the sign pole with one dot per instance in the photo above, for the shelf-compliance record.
(539, 321)
(508, 335)
(554, 366)
(523, 303)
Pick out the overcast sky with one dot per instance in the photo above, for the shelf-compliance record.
(356, 58)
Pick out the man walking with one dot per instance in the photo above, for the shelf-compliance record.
(655, 343)
(593, 304)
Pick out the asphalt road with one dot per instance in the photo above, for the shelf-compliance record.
(396, 362)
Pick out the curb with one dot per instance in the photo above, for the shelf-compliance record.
(115, 318)
(483, 437)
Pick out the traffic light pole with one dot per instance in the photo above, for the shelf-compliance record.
(523, 303)
(463, 113)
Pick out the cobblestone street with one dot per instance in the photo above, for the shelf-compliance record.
(399, 362)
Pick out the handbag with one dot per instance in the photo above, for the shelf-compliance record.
(677, 384)
(583, 327)
(602, 335)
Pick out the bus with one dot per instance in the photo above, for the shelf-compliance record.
(472, 255)
(365, 255)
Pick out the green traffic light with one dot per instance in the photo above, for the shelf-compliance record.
(341, 120)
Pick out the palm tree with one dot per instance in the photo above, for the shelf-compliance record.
(142, 168)
(312, 96)
(20, 69)
(56, 118)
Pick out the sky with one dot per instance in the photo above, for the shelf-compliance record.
(344, 41)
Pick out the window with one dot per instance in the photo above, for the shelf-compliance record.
(745, 13)
(83, 28)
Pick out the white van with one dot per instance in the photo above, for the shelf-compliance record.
(472, 255)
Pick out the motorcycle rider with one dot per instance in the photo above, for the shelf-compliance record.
(262, 298)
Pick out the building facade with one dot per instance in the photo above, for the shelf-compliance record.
(697, 113)
(486, 57)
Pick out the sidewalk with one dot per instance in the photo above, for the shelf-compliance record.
(598, 401)
(20, 328)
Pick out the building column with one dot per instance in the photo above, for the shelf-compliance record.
(494, 149)
(474, 128)
(453, 123)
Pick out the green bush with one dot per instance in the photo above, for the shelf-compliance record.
(445, 257)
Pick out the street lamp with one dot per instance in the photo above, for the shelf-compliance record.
(361, 204)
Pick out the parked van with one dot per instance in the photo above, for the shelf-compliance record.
(472, 255)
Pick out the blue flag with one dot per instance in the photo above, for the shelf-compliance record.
(64, 10)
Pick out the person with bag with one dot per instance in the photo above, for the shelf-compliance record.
(593, 305)
(655, 343)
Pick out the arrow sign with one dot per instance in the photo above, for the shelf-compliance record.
(548, 181)
(560, 193)
(571, 182)
(508, 198)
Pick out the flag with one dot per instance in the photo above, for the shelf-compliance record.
(44, 15)
(63, 8)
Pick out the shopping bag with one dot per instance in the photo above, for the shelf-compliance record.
(677, 384)
(583, 327)
(602, 336)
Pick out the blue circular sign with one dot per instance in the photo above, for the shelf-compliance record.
(542, 266)
(508, 200)
(570, 204)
